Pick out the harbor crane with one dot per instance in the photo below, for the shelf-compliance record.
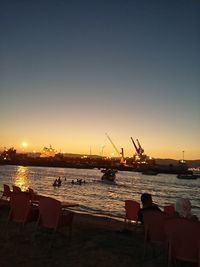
(139, 156)
(121, 154)
(141, 150)
(138, 148)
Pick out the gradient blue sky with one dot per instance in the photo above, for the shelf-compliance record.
(70, 71)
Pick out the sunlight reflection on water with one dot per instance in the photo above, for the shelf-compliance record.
(21, 177)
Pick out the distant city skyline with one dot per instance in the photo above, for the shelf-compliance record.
(72, 71)
(112, 151)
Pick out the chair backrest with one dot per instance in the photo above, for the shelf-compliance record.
(6, 191)
(50, 211)
(30, 190)
(33, 195)
(131, 208)
(154, 226)
(169, 210)
(183, 236)
(16, 189)
(20, 207)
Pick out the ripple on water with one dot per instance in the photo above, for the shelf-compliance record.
(98, 197)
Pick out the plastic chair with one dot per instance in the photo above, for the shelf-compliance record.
(183, 237)
(21, 210)
(6, 191)
(169, 210)
(51, 214)
(131, 208)
(154, 222)
(16, 189)
(33, 195)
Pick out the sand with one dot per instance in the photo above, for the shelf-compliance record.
(95, 241)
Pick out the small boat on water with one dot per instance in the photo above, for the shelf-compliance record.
(196, 174)
(109, 175)
(187, 176)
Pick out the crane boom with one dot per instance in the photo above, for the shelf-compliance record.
(113, 144)
(141, 150)
(136, 148)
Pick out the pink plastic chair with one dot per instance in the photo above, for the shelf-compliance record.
(169, 210)
(6, 191)
(51, 214)
(21, 210)
(183, 237)
(16, 189)
(154, 222)
(131, 208)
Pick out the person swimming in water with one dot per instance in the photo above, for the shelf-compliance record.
(59, 181)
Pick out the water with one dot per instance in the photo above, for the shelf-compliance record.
(98, 197)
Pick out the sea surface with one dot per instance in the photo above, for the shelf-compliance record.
(96, 196)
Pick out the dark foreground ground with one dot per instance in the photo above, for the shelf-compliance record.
(95, 241)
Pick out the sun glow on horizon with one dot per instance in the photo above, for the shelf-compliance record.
(24, 144)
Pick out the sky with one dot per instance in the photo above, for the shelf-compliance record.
(72, 71)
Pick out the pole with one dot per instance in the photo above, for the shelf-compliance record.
(183, 154)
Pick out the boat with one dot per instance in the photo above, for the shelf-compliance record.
(109, 175)
(187, 176)
(196, 173)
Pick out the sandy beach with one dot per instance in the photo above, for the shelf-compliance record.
(95, 241)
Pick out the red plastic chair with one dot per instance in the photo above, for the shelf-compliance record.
(6, 191)
(131, 208)
(169, 210)
(21, 210)
(33, 195)
(154, 222)
(183, 236)
(51, 214)
(16, 189)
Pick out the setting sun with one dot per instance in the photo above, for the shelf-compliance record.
(24, 144)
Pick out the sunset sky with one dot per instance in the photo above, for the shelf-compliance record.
(71, 71)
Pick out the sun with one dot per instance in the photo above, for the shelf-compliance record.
(24, 144)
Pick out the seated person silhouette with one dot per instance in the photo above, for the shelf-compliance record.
(147, 204)
(183, 209)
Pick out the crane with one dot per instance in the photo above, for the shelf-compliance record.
(139, 156)
(141, 150)
(114, 146)
(136, 148)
